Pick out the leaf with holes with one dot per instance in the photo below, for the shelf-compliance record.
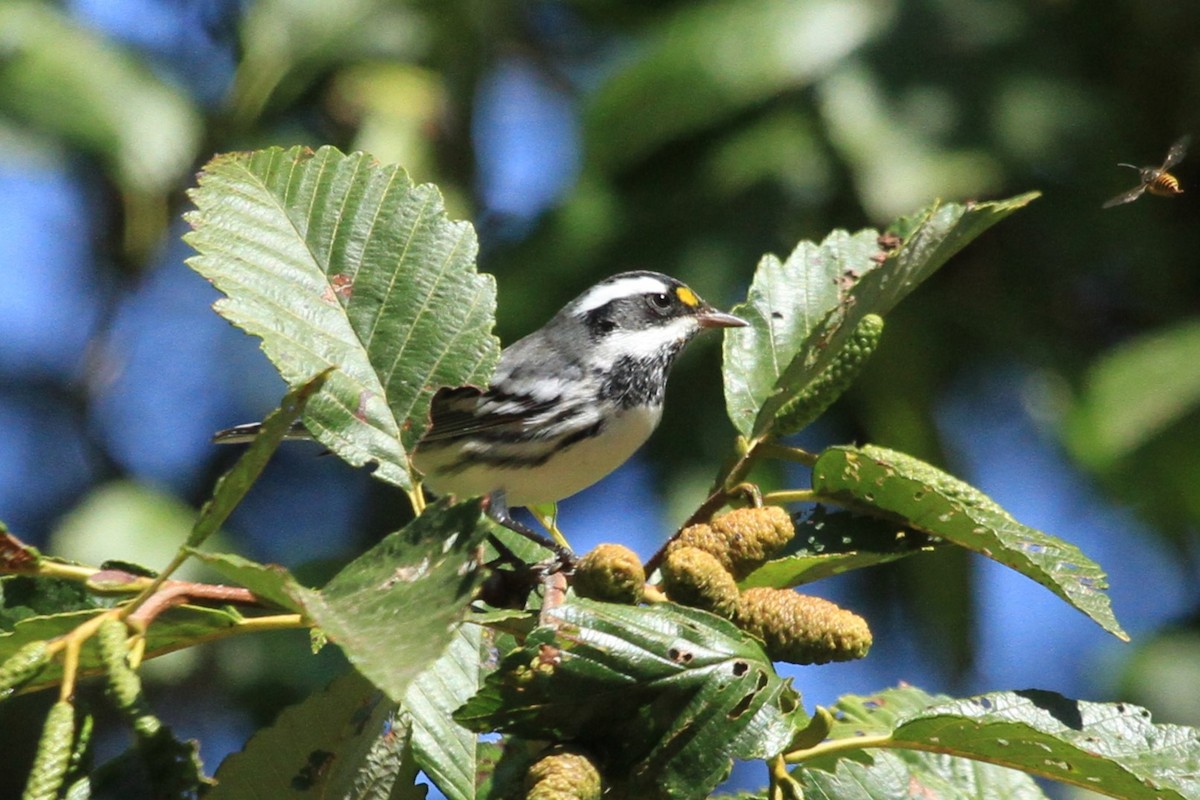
(1113, 748)
(897, 486)
(665, 696)
(888, 775)
(334, 260)
(803, 310)
(829, 543)
(328, 745)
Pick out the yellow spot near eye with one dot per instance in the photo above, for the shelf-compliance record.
(687, 296)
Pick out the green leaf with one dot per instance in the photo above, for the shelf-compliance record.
(802, 311)
(26, 596)
(698, 68)
(910, 774)
(666, 696)
(786, 302)
(320, 747)
(920, 496)
(71, 83)
(444, 749)
(1112, 748)
(394, 609)
(333, 260)
(270, 582)
(830, 543)
(174, 629)
(1134, 393)
(233, 485)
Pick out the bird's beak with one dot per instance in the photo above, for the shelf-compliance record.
(711, 318)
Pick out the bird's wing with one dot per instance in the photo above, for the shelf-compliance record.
(466, 410)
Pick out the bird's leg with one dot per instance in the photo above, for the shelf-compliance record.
(547, 516)
(496, 508)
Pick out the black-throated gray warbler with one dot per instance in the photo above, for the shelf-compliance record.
(567, 404)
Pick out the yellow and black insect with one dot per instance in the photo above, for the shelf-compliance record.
(1156, 180)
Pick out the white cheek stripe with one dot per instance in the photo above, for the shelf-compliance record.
(598, 296)
(646, 343)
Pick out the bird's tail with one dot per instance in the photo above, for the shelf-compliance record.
(241, 434)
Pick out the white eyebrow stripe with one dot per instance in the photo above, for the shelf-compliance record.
(601, 295)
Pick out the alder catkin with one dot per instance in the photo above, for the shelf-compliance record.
(800, 629)
(819, 394)
(22, 666)
(695, 578)
(53, 753)
(563, 775)
(612, 573)
(742, 540)
(753, 535)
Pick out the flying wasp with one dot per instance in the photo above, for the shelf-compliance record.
(1155, 180)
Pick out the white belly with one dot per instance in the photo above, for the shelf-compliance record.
(565, 473)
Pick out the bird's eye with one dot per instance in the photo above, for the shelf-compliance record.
(660, 301)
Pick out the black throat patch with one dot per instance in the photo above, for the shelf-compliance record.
(636, 382)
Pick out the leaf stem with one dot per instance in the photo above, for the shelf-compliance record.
(772, 449)
(179, 592)
(838, 746)
(416, 498)
(727, 487)
(783, 786)
(55, 569)
(791, 496)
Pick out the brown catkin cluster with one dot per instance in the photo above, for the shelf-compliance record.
(694, 577)
(800, 629)
(704, 563)
(742, 540)
(612, 573)
(563, 775)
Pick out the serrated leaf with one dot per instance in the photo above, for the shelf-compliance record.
(1112, 748)
(231, 487)
(394, 609)
(802, 311)
(831, 543)
(333, 260)
(786, 302)
(69, 82)
(666, 696)
(270, 582)
(923, 497)
(319, 747)
(891, 775)
(444, 749)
